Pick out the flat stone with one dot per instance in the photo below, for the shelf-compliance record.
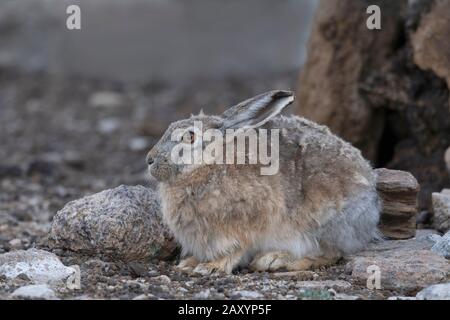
(435, 292)
(122, 223)
(405, 265)
(40, 266)
(35, 291)
(396, 181)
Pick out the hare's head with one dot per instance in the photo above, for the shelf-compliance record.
(183, 146)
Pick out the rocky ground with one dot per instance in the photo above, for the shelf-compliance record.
(67, 138)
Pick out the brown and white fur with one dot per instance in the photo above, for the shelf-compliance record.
(321, 205)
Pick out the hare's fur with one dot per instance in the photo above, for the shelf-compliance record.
(321, 205)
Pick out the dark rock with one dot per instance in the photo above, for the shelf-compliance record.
(138, 269)
(42, 168)
(423, 219)
(10, 171)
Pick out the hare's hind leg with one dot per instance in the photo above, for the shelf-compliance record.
(222, 265)
(187, 264)
(271, 261)
(308, 263)
(280, 260)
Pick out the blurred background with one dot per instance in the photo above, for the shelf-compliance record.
(169, 41)
(79, 109)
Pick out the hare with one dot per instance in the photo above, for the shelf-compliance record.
(321, 204)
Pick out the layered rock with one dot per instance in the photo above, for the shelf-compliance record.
(398, 191)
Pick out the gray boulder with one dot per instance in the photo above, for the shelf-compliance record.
(121, 223)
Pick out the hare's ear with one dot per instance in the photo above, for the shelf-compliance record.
(256, 111)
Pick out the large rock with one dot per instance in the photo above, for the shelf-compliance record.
(441, 209)
(40, 266)
(386, 91)
(405, 265)
(430, 42)
(122, 223)
(398, 191)
(340, 51)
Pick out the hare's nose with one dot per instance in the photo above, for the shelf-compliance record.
(150, 160)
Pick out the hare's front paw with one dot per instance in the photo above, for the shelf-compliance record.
(187, 264)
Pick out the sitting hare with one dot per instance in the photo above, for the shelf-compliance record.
(320, 205)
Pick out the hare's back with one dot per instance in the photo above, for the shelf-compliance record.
(310, 152)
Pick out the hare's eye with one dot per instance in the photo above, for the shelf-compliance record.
(189, 137)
